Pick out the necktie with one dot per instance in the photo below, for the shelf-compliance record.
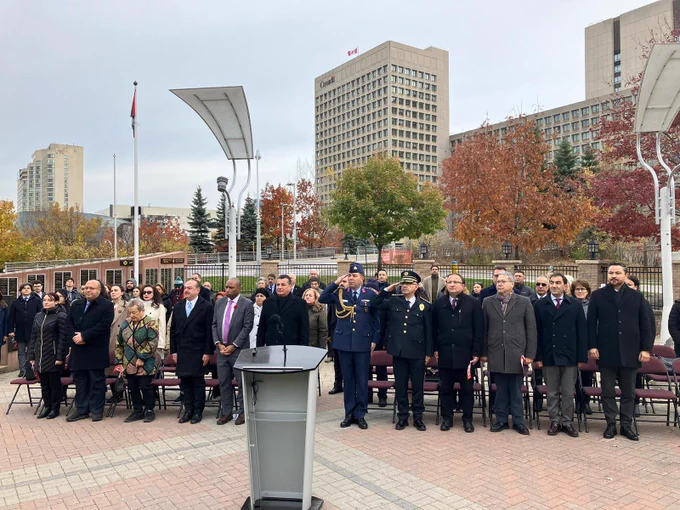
(227, 321)
(354, 296)
(87, 304)
(559, 302)
(454, 303)
(190, 306)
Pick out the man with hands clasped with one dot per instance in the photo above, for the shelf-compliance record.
(356, 333)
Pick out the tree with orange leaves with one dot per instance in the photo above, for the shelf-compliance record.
(505, 191)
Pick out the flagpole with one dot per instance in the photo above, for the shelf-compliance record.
(136, 190)
(115, 220)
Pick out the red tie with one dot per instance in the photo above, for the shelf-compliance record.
(454, 302)
(559, 302)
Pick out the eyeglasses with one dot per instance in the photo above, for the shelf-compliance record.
(541, 284)
(456, 283)
(148, 292)
(580, 289)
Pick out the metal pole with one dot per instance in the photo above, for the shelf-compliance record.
(232, 232)
(666, 262)
(294, 223)
(115, 215)
(259, 214)
(136, 193)
(283, 245)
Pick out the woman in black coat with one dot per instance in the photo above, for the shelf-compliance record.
(674, 326)
(46, 353)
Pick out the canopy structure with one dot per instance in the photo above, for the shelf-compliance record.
(659, 97)
(225, 111)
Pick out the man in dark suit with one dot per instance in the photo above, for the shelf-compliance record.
(191, 345)
(204, 292)
(291, 315)
(88, 328)
(620, 338)
(356, 333)
(562, 344)
(313, 274)
(409, 341)
(231, 326)
(457, 329)
(491, 289)
(509, 344)
(271, 283)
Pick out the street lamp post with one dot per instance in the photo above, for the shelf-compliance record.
(270, 250)
(423, 250)
(258, 221)
(294, 185)
(506, 248)
(658, 103)
(345, 250)
(593, 248)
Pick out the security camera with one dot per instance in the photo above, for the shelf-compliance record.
(222, 184)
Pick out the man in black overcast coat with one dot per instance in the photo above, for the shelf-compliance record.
(292, 311)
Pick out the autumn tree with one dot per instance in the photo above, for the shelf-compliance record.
(14, 246)
(272, 198)
(199, 224)
(505, 191)
(155, 236)
(381, 202)
(313, 225)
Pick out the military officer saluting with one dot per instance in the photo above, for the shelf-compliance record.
(356, 332)
(409, 341)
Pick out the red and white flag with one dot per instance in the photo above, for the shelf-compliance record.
(355, 51)
(133, 112)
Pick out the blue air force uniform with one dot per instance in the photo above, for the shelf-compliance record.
(357, 327)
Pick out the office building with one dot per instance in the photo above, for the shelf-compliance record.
(54, 175)
(614, 46)
(392, 99)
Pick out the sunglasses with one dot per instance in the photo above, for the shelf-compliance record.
(541, 285)
(148, 292)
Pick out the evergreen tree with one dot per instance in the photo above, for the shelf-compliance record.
(566, 162)
(590, 161)
(218, 223)
(248, 225)
(199, 224)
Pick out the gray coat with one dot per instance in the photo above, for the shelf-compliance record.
(508, 338)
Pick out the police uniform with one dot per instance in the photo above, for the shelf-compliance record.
(357, 327)
(409, 341)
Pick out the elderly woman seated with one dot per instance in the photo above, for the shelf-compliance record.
(136, 358)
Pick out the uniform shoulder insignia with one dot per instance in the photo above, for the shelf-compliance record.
(422, 307)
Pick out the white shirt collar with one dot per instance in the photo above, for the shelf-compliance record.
(412, 300)
(192, 301)
(554, 299)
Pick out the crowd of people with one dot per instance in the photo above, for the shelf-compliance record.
(101, 331)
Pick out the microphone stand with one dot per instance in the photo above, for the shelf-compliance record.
(279, 330)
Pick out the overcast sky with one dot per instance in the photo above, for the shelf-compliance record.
(67, 67)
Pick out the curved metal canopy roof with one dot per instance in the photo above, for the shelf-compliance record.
(225, 111)
(659, 96)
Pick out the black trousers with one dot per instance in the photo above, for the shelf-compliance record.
(194, 394)
(90, 390)
(337, 369)
(141, 392)
(447, 378)
(626, 378)
(52, 392)
(405, 369)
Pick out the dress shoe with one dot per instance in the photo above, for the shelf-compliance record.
(419, 425)
(240, 419)
(224, 419)
(521, 428)
(382, 402)
(468, 426)
(97, 416)
(610, 431)
(53, 414)
(401, 424)
(178, 399)
(497, 427)
(347, 421)
(554, 429)
(196, 418)
(149, 416)
(335, 389)
(135, 416)
(629, 433)
(570, 430)
(44, 413)
(186, 416)
(587, 410)
(362, 423)
(446, 426)
(77, 416)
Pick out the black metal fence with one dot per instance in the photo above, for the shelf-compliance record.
(651, 283)
(218, 274)
(533, 271)
(327, 272)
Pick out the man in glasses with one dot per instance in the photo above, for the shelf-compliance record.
(457, 329)
(541, 287)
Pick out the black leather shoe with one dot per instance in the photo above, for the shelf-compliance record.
(554, 429)
(44, 413)
(401, 424)
(196, 418)
(135, 416)
(382, 402)
(521, 428)
(419, 425)
(362, 423)
(347, 421)
(149, 416)
(629, 433)
(335, 390)
(587, 409)
(446, 426)
(570, 430)
(186, 416)
(97, 416)
(497, 427)
(53, 414)
(468, 426)
(179, 399)
(610, 431)
(77, 416)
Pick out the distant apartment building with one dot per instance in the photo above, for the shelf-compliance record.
(54, 175)
(392, 99)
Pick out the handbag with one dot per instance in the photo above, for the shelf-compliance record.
(119, 385)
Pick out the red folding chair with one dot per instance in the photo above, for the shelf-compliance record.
(382, 359)
(658, 394)
(20, 382)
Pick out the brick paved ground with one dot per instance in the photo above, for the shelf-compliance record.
(112, 465)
